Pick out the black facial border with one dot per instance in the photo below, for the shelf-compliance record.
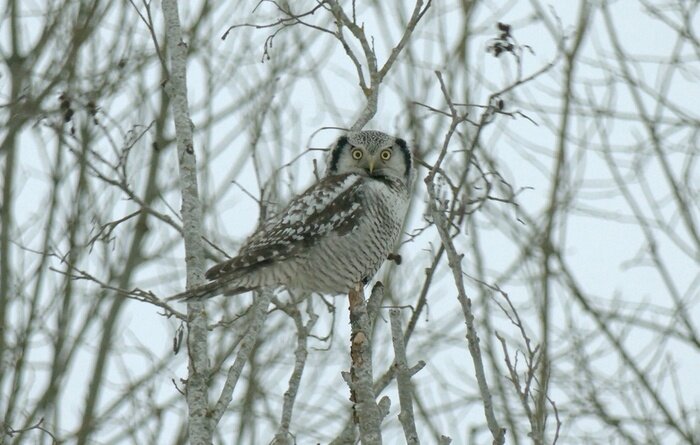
(335, 154)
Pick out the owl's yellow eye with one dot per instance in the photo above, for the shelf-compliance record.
(385, 155)
(356, 154)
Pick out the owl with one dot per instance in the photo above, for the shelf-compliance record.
(334, 235)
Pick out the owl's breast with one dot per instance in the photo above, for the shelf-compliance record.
(335, 263)
(384, 206)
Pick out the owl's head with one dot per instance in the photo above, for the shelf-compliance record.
(371, 153)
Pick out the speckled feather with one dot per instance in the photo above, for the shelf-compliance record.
(331, 205)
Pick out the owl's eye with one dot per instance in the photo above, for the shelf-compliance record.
(356, 154)
(385, 155)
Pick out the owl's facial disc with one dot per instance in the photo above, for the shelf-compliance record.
(371, 153)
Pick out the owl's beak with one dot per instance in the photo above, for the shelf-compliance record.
(371, 166)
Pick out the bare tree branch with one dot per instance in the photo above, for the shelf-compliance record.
(403, 379)
(366, 412)
(200, 429)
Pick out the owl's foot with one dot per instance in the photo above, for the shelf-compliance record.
(395, 257)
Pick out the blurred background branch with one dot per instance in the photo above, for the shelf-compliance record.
(564, 205)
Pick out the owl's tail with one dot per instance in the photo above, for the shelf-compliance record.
(208, 290)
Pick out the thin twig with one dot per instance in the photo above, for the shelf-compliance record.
(454, 260)
(303, 330)
(258, 316)
(403, 379)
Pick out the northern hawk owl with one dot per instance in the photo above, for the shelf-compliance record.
(334, 235)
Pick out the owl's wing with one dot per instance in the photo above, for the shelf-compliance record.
(332, 205)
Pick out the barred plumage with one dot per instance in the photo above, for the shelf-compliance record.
(335, 234)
